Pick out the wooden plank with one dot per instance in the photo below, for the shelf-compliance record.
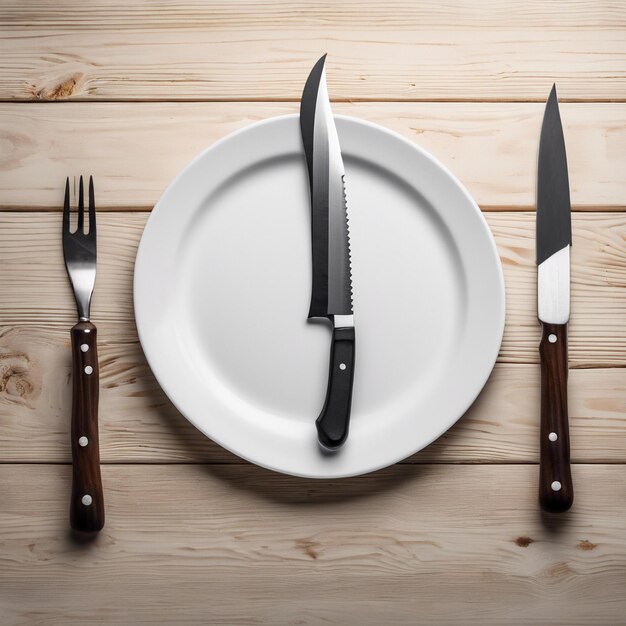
(218, 50)
(139, 423)
(190, 15)
(34, 290)
(134, 151)
(240, 545)
(597, 328)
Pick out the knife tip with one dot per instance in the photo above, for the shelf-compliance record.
(553, 92)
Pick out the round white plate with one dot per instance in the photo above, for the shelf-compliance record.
(222, 290)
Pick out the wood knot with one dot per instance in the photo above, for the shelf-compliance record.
(524, 542)
(61, 90)
(586, 545)
(15, 377)
(310, 548)
(559, 570)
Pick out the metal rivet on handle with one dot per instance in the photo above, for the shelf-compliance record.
(83, 441)
(86, 500)
(84, 347)
(342, 366)
(556, 486)
(552, 338)
(88, 369)
(553, 436)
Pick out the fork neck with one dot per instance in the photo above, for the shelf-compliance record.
(83, 310)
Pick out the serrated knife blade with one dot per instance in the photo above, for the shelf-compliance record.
(331, 292)
(331, 288)
(553, 242)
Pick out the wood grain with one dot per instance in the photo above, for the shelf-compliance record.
(453, 535)
(218, 50)
(34, 289)
(240, 545)
(139, 424)
(134, 151)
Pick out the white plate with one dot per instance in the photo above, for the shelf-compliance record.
(222, 290)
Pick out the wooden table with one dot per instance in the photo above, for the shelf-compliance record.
(130, 92)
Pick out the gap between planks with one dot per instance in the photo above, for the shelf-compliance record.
(279, 100)
(242, 463)
(487, 208)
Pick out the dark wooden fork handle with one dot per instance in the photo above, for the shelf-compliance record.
(87, 504)
(556, 492)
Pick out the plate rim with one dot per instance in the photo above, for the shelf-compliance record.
(425, 154)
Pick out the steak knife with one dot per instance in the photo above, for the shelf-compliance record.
(331, 293)
(554, 240)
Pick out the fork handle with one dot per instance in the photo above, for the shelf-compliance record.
(87, 503)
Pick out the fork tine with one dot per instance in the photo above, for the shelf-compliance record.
(66, 207)
(81, 207)
(92, 208)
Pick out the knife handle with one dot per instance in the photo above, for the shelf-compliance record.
(87, 503)
(556, 492)
(333, 422)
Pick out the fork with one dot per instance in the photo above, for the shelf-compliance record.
(79, 252)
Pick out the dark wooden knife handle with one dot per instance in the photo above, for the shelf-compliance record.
(333, 422)
(556, 492)
(87, 504)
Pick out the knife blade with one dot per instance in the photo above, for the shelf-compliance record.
(554, 240)
(331, 289)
